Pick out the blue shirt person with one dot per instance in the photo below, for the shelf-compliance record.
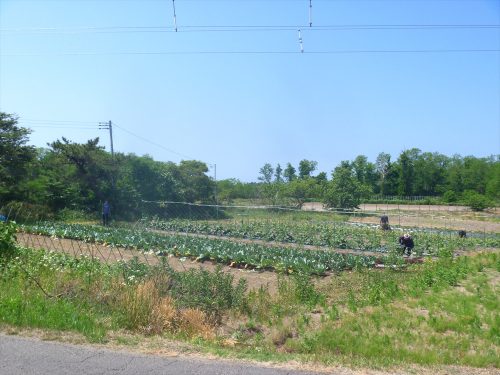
(106, 211)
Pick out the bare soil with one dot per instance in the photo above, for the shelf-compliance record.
(425, 216)
(469, 225)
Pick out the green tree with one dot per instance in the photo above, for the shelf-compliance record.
(476, 201)
(300, 190)
(15, 158)
(289, 173)
(195, 185)
(344, 190)
(406, 174)
(365, 171)
(94, 169)
(266, 173)
(306, 167)
(382, 166)
(493, 181)
(278, 174)
(430, 173)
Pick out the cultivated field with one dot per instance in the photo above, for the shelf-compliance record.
(314, 288)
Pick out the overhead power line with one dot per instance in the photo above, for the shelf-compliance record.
(71, 124)
(153, 143)
(57, 121)
(236, 28)
(332, 52)
(57, 127)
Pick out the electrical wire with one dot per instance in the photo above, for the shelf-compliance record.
(152, 142)
(25, 120)
(331, 52)
(240, 28)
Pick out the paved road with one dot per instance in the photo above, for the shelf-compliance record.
(24, 356)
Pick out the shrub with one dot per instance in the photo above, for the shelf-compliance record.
(193, 322)
(138, 303)
(449, 196)
(211, 292)
(25, 212)
(476, 201)
(7, 238)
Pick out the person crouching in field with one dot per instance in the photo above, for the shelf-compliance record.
(106, 210)
(406, 243)
(384, 222)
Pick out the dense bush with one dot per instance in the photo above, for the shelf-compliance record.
(476, 201)
(7, 238)
(211, 292)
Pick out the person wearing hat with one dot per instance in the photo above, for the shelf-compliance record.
(406, 243)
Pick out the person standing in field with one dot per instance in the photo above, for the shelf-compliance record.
(406, 243)
(106, 211)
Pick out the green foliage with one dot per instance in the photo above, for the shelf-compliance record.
(306, 167)
(302, 190)
(211, 292)
(7, 238)
(15, 158)
(476, 201)
(79, 177)
(328, 234)
(450, 196)
(282, 259)
(436, 325)
(303, 290)
(28, 212)
(266, 173)
(289, 172)
(62, 304)
(344, 190)
(134, 271)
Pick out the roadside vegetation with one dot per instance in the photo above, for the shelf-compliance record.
(444, 311)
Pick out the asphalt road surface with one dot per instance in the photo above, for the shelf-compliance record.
(25, 356)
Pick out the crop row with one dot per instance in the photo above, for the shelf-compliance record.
(257, 256)
(332, 235)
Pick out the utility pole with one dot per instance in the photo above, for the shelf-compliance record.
(216, 200)
(106, 126)
(109, 126)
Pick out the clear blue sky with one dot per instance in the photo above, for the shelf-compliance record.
(69, 61)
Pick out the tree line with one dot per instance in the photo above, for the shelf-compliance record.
(440, 179)
(69, 176)
(80, 177)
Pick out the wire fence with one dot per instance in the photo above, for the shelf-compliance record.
(447, 220)
(272, 227)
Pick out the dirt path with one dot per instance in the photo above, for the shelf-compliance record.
(434, 222)
(425, 216)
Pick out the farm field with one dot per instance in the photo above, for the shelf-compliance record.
(283, 259)
(274, 290)
(422, 216)
(333, 235)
